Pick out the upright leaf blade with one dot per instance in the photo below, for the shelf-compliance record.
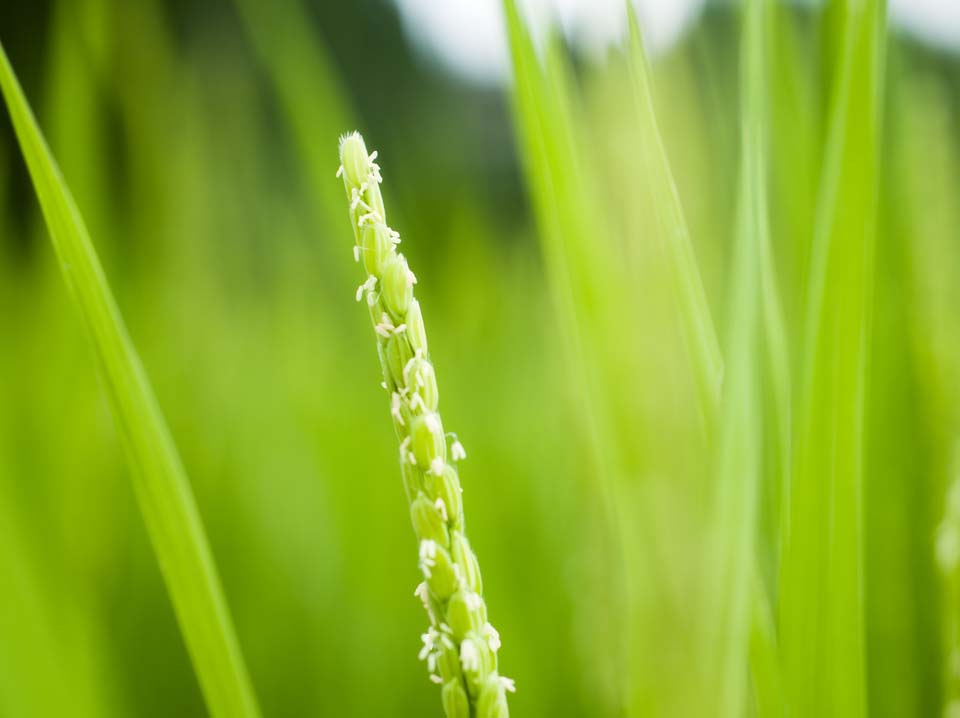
(822, 613)
(162, 489)
(696, 322)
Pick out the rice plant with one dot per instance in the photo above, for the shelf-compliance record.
(692, 289)
(460, 645)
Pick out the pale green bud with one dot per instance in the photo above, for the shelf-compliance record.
(455, 703)
(354, 159)
(492, 702)
(466, 612)
(375, 247)
(376, 311)
(412, 483)
(448, 659)
(446, 488)
(396, 286)
(422, 380)
(477, 661)
(438, 568)
(428, 443)
(397, 353)
(467, 561)
(416, 332)
(428, 521)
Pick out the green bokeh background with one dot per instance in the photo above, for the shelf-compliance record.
(200, 142)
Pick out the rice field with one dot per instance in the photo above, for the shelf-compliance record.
(692, 311)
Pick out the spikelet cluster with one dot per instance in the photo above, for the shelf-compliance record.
(460, 645)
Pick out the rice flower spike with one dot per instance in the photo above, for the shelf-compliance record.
(460, 645)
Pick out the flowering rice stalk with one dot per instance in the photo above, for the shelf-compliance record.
(460, 645)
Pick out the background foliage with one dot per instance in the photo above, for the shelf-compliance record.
(199, 140)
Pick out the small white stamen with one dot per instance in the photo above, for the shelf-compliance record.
(395, 409)
(385, 328)
(442, 508)
(436, 466)
(416, 402)
(356, 253)
(339, 171)
(423, 593)
(367, 286)
(492, 636)
(508, 684)
(473, 601)
(436, 679)
(370, 216)
(469, 656)
(457, 452)
(429, 643)
(428, 553)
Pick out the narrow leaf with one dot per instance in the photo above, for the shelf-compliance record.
(161, 485)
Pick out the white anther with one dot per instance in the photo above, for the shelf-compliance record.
(385, 327)
(395, 409)
(492, 636)
(442, 508)
(367, 286)
(436, 679)
(508, 684)
(469, 656)
(416, 402)
(457, 452)
(423, 593)
(429, 643)
(428, 553)
(356, 200)
(370, 216)
(339, 171)
(356, 253)
(436, 466)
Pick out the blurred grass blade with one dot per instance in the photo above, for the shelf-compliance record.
(697, 325)
(822, 611)
(166, 501)
(582, 291)
(737, 601)
(304, 78)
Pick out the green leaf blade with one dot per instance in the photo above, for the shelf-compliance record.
(162, 489)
